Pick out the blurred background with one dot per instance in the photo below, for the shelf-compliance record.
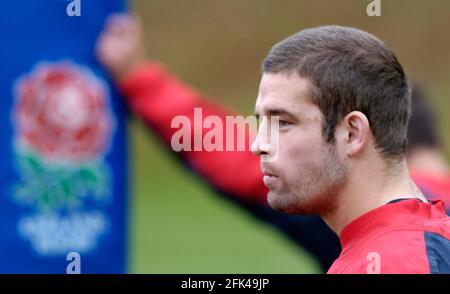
(178, 224)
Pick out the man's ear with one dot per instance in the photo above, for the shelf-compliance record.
(356, 132)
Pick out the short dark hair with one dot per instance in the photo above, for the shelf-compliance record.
(422, 125)
(350, 70)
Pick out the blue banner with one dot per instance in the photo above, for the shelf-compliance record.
(63, 149)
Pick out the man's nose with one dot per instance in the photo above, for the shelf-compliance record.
(261, 145)
(260, 148)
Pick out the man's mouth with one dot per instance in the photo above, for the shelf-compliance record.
(268, 171)
(270, 178)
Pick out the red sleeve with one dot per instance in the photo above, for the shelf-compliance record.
(157, 97)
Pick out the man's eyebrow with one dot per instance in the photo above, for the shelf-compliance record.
(276, 112)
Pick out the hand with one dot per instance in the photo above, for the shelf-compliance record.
(120, 46)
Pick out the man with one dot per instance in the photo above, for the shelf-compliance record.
(343, 101)
(156, 96)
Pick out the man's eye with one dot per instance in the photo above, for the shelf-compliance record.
(283, 123)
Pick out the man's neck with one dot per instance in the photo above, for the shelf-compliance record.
(370, 188)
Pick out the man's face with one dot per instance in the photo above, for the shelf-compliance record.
(303, 173)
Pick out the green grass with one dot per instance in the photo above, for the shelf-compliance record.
(180, 226)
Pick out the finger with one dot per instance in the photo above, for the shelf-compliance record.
(121, 23)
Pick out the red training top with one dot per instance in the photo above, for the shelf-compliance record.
(405, 236)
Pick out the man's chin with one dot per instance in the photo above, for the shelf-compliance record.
(285, 204)
(279, 203)
(273, 200)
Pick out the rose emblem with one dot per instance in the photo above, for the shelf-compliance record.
(63, 127)
(62, 113)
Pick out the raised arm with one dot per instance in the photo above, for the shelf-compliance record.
(157, 97)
